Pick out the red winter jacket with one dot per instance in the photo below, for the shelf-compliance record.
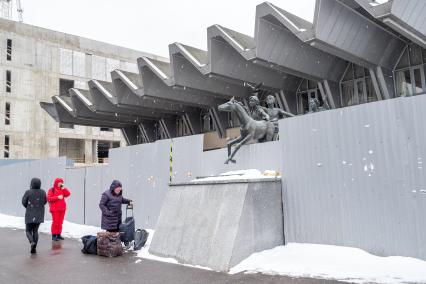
(55, 203)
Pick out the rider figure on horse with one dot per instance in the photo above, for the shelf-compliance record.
(255, 110)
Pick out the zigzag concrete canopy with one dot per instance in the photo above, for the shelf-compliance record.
(105, 100)
(339, 29)
(158, 82)
(230, 56)
(50, 109)
(85, 109)
(280, 42)
(186, 63)
(354, 52)
(407, 17)
(67, 114)
(130, 94)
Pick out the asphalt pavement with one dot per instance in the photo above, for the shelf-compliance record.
(63, 262)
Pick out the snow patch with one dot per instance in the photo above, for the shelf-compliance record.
(69, 230)
(242, 174)
(334, 262)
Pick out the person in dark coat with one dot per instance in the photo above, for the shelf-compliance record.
(34, 201)
(110, 205)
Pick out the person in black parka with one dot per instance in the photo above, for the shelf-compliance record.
(110, 205)
(34, 201)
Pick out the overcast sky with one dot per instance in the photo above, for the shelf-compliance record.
(152, 25)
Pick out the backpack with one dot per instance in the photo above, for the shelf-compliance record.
(89, 244)
(141, 236)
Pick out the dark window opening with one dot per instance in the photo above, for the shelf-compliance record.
(182, 127)
(233, 120)
(303, 103)
(66, 125)
(207, 121)
(103, 151)
(307, 90)
(8, 81)
(64, 86)
(107, 129)
(115, 144)
(9, 49)
(7, 114)
(6, 146)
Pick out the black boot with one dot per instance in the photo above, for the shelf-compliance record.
(55, 238)
(60, 237)
(33, 248)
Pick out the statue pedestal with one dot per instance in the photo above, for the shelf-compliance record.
(217, 224)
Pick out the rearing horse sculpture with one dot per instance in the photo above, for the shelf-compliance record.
(250, 128)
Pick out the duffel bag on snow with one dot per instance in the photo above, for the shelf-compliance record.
(127, 228)
(109, 244)
(141, 236)
(89, 244)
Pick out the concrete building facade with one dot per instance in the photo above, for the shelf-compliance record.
(36, 64)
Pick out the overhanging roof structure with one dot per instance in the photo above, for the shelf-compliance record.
(285, 53)
(406, 17)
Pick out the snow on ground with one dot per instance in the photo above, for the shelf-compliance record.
(334, 262)
(144, 253)
(242, 174)
(69, 230)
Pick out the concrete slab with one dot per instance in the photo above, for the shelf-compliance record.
(217, 225)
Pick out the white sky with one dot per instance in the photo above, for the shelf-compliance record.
(151, 25)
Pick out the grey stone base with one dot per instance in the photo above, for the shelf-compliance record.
(217, 225)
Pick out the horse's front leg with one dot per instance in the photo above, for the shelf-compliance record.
(230, 143)
(241, 143)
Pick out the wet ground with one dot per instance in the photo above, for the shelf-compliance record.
(63, 262)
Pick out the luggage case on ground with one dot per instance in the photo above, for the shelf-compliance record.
(127, 228)
(109, 244)
(141, 236)
(89, 244)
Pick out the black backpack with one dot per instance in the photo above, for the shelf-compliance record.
(141, 236)
(89, 244)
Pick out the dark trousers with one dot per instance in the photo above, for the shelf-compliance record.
(32, 232)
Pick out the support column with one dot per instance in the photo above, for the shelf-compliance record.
(88, 151)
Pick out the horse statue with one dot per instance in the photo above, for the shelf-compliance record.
(250, 128)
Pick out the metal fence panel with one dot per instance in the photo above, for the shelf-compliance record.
(355, 177)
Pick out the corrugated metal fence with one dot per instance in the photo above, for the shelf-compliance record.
(351, 176)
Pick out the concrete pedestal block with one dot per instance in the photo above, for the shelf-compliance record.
(218, 224)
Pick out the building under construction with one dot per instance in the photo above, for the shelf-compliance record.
(37, 64)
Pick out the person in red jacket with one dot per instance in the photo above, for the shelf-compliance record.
(56, 197)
